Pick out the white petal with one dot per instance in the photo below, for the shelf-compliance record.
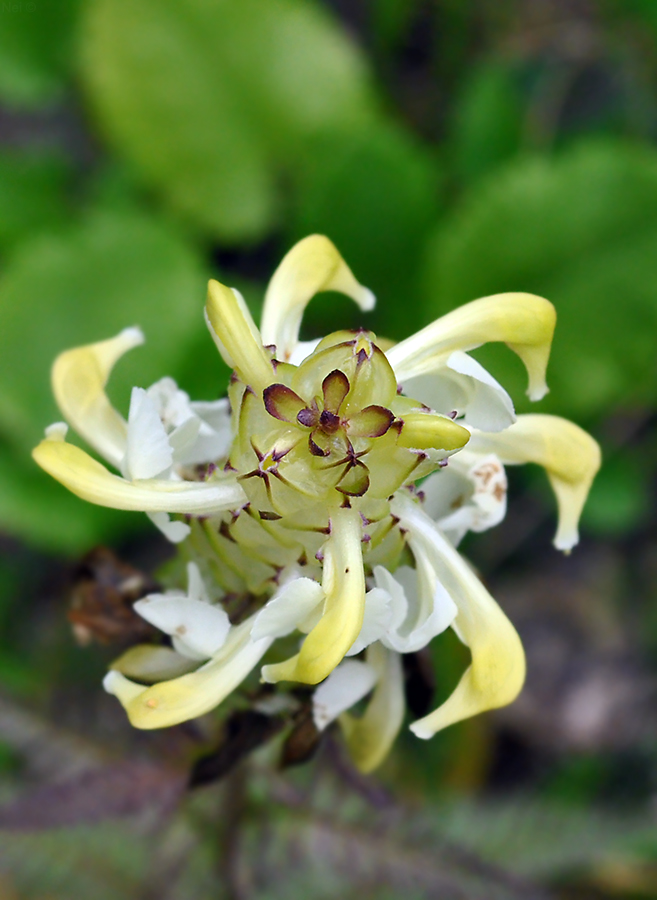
(196, 589)
(198, 625)
(215, 436)
(182, 648)
(447, 489)
(215, 413)
(464, 386)
(148, 453)
(430, 607)
(489, 407)
(289, 607)
(346, 685)
(173, 531)
(486, 506)
(395, 587)
(302, 350)
(172, 404)
(376, 621)
(468, 495)
(183, 439)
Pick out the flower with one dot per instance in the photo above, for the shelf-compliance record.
(328, 494)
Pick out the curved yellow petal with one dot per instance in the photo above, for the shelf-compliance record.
(152, 662)
(497, 672)
(79, 377)
(171, 702)
(370, 737)
(524, 322)
(236, 336)
(91, 481)
(570, 456)
(423, 431)
(342, 619)
(311, 266)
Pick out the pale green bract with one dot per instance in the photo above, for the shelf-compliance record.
(301, 493)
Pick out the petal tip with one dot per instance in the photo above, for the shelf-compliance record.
(133, 336)
(420, 730)
(537, 392)
(367, 300)
(57, 431)
(109, 681)
(566, 541)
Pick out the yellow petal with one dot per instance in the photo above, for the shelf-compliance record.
(151, 663)
(79, 377)
(497, 672)
(237, 337)
(423, 431)
(570, 456)
(192, 695)
(522, 321)
(311, 266)
(344, 586)
(91, 481)
(370, 737)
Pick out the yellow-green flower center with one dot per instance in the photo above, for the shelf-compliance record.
(333, 430)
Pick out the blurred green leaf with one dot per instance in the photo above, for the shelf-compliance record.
(487, 120)
(36, 49)
(620, 497)
(32, 187)
(58, 290)
(390, 20)
(86, 284)
(581, 230)
(41, 512)
(205, 98)
(375, 195)
(645, 10)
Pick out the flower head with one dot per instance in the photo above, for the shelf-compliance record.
(321, 495)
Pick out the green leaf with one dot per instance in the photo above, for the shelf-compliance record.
(580, 230)
(619, 501)
(390, 21)
(487, 120)
(206, 99)
(36, 49)
(32, 186)
(375, 195)
(85, 284)
(44, 514)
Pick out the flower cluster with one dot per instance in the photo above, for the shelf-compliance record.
(325, 497)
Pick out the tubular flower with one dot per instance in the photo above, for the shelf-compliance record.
(329, 492)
